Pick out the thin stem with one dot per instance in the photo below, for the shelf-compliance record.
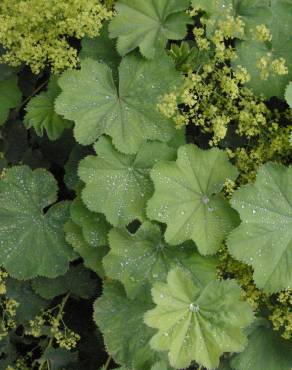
(32, 95)
(106, 366)
(58, 318)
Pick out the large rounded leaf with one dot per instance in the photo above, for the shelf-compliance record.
(186, 197)
(148, 24)
(119, 185)
(141, 259)
(32, 241)
(128, 113)
(264, 238)
(195, 322)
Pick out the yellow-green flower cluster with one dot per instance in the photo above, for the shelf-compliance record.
(281, 316)
(8, 311)
(230, 267)
(36, 32)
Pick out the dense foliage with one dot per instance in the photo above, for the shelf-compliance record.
(146, 184)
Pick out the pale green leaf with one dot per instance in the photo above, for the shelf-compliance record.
(32, 240)
(197, 323)
(128, 113)
(138, 260)
(77, 281)
(288, 95)
(119, 185)
(10, 97)
(94, 226)
(264, 238)
(121, 323)
(148, 24)
(186, 197)
(265, 350)
(41, 115)
(92, 257)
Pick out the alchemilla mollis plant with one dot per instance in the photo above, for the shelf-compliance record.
(146, 185)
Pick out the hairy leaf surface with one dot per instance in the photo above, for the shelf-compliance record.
(138, 260)
(32, 241)
(186, 197)
(92, 257)
(128, 113)
(119, 185)
(195, 322)
(264, 238)
(148, 24)
(94, 226)
(41, 115)
(121, 323)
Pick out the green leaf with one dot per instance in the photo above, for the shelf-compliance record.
(265, 350)
(138, 260)
(102, 49)
(161, 365)
(288, 94)
(30, 304)
(92, 257)
(119, 185)
(264, 238)
(186, 197)
(197, 323)
(32, 241)
(148, 24)
(10, 97)
(77, 281)
(252, 12)
(71, 178)
(58, 357)
(94, 226)
(274, 85)
(121, 323)
(41, 115)
(128, 114)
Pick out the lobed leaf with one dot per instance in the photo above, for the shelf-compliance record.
(32, 240)
(264, 238)
(186, 198)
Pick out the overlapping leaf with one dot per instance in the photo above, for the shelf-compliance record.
(29, 303)
(77, 281)
(186, 197)
(41, 115)
(252, 12)
(92, 257)
(265, 350)
(121, 323)
(119, 185)
(94, 226)
(148, 24)
(195, 322)
(102, 49)
(32, 241)
(264, 238)
(128, 113)
(138, 260)
(10, 97)
(275, 84)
